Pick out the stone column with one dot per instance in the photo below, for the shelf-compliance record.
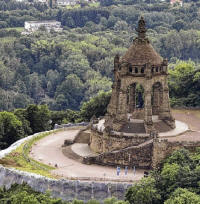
(112, 106)
(122, 106)
(156, 100)
(132, 98)
(165, 113)
(148, 111)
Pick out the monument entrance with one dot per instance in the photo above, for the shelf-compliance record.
(138, 113)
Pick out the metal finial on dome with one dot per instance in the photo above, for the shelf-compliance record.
(141, 28)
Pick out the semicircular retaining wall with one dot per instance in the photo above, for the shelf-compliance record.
(62, 188)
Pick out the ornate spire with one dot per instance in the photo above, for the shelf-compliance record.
(141, 28)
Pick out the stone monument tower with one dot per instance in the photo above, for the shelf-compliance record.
(140, 89)
(139, 104)
(138, 123)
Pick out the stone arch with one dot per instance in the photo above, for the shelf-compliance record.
(130, 69)
(157, 97)
(157, 69)
(135, 97)
(142, 70)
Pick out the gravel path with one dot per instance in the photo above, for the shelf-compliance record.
(48, 150)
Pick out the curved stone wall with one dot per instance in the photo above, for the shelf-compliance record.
(64, 189)
(115, 140)
(139, 156)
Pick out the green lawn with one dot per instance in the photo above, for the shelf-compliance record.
(7, 39)
(96, 4)
(19, 29)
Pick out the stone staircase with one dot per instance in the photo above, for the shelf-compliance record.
(138, 127)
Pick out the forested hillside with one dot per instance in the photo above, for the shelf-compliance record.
(65, 69)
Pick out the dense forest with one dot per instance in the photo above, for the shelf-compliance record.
(64, 70)
(38, 118)
(175, 182)
(23, 194)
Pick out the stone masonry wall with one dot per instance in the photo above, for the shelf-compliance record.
(138, 156)
(100, 142)
(64, 189)
(163, 148)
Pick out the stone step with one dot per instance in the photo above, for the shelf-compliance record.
(133, 128)
(82, 150)
(162, 127)
(67, 151)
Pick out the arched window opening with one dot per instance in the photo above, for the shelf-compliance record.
(135, 97)
(136, 70)
(152, 70)
(156, 69)
(142, 70)
(139, 96)
(130, 69)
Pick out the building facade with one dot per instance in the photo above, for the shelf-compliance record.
(32, 26)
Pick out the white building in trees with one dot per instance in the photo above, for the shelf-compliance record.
(32, 26)
(66, 2)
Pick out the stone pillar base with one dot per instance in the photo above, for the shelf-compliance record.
(148, 127)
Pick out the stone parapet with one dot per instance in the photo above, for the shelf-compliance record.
(65, 189)
(101, 142)
(56, 126)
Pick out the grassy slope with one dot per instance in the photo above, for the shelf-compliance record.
(19, 29)
(17, 159)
